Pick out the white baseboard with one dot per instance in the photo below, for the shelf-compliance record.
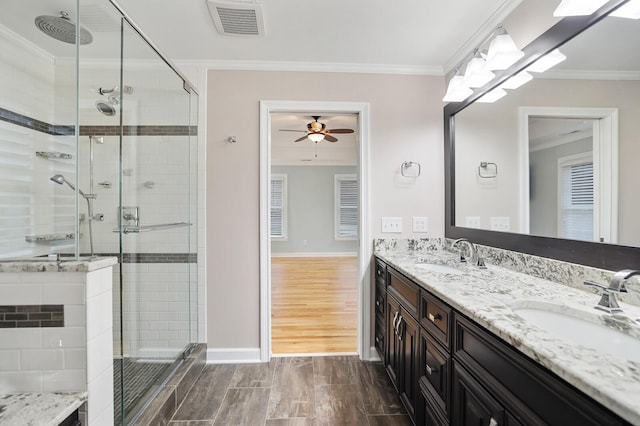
(317, 254)
(233, 356)
(373, 354)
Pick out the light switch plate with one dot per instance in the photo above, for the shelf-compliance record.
(392, 224)
(501, 224)
(473, 222)
(420, 224)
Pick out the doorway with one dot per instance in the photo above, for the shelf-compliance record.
(569, 185)
(359, 263)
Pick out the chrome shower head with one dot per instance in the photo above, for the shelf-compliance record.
(59, 179)
(106, 108)
(61, 28)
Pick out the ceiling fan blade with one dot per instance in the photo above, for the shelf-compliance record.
(289, 130)
(301, 139)
(339, 131)
(330, 138)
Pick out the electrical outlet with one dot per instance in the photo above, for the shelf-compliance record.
(473, 222)
(501, 224)
(420, 224)
(392, 224)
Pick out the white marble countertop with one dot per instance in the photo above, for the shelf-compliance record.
(488, 296)
(41, 264)
(38, 409)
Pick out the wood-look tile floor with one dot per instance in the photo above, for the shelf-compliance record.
(314, 305)
(298, 391)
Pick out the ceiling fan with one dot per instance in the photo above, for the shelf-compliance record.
(317, 131)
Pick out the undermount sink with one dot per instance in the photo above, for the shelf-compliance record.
(583, 328)
(440, 269)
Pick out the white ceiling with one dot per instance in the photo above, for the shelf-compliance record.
(284, 151)
(414, 36)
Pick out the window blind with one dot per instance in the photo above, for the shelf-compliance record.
(346, 224)
(577, 196)
(278, 206)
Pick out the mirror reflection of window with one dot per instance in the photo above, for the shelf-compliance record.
(576, 197)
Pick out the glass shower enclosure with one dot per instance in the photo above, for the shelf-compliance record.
(98, 146)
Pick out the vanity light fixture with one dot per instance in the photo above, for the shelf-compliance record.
(578, 7)
(503, 52)
(316, 137)
(477, 74)
(629, 10)
(517, 80)
(457, 91)
(549, 60)
(492, 96)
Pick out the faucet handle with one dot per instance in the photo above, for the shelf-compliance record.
(480, 263)
(595, 284)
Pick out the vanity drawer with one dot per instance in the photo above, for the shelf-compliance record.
(434, 370)
(405, 290)
(380, 272)
(435, 316)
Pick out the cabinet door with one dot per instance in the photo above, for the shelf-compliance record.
(393, 351)
(434, 370)
(410, 341)
(472, 405)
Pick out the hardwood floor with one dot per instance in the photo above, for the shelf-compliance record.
(314, 305)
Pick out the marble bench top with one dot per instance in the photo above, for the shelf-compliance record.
(38, 409)
(43, 265)
(488, 295)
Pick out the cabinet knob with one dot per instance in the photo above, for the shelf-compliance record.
(430, 369)
(377, 303)
(434, 318)
(493, 422)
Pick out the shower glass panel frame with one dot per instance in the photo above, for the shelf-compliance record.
(133, 173)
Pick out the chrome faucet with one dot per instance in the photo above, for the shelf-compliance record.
(608, 301)
(474, 258)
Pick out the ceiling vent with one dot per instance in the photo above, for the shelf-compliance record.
(237, 18)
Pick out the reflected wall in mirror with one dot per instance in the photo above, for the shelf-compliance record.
(580, 120)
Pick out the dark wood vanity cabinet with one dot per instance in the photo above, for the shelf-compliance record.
(450, 371)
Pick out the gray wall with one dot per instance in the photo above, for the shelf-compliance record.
(310, 213)
(543, 166)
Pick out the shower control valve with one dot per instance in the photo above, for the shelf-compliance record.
(99, 217)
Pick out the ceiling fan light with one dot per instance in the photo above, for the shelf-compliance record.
(503, 52)
(517, 80)
(549, 60)
(457, 91)
(316, 137)
(492, 96)
(477, 74)
(578, 7)
(629, 10)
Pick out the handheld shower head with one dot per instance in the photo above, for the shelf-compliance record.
(59, 179)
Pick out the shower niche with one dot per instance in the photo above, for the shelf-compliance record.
(96, 126)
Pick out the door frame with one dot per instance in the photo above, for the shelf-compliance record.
(365, 246)
(605, 162)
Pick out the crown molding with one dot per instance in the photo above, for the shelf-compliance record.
(481, 35)
(589, 75)
(312, 67)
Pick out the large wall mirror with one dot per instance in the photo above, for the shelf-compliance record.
(552, 168)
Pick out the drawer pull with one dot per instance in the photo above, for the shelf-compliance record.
(493, 422)
(434, 318)
(399, 331)
(377, 303)
(395, 318)
(431, 370)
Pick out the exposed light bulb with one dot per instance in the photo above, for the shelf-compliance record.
(549, 60)
(578, 7)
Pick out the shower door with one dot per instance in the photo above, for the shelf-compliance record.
(157, 223)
